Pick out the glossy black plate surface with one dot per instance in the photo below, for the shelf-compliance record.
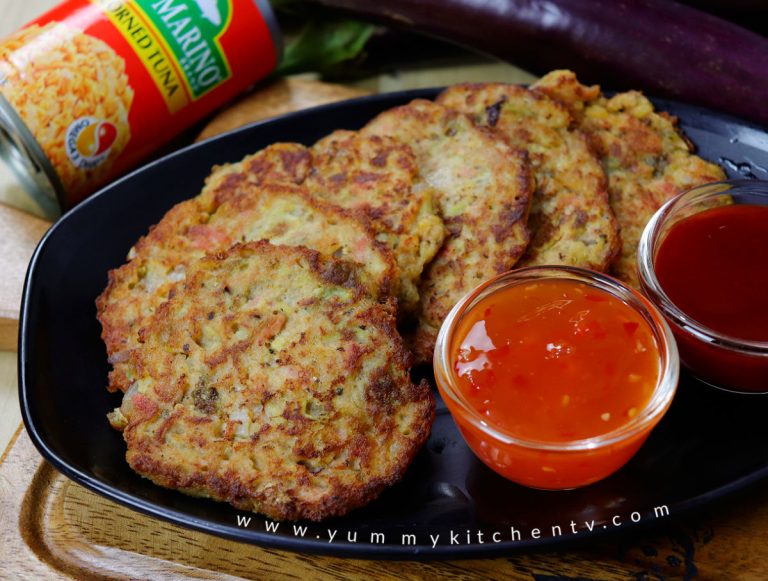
(710, 443)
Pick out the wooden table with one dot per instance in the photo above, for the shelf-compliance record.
(53, 528)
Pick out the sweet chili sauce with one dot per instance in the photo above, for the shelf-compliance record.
(555, 376)
(556, 361)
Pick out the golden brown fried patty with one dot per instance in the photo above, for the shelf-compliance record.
(484, 191)
(284, 163)
(645, 156)
(571, 220)
(272, 381)
(234, 210)
(379, 176)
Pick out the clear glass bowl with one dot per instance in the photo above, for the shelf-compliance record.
(555, 465)
(720, 360)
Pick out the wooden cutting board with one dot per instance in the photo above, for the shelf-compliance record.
(55, 529)
(20, 232)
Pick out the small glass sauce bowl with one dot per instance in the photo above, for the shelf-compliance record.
(561, 464)
(721, 360)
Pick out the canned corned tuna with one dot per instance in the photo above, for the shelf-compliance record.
(93, 86)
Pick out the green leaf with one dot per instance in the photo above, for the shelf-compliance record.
(323, 43)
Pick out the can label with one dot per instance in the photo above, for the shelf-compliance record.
(100, 84)
(180, 49)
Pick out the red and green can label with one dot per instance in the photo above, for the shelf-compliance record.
(178, 43)
(100, 84)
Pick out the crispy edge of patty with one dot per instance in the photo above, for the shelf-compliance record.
(571, 217)
(484, 190)
(647, 158)
(122, 310)
(149, 413)
(277, 163)
(379, 176)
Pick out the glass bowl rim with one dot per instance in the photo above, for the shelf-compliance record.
(647, 272)
(664, 391)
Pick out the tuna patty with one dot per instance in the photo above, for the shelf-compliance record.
(272, 381)
(484, 191)
(645, 156)
(571, 220)
(284, 163)
(380, 176)
(235, 210)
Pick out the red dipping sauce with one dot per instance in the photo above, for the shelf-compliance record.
(704, 261)
(714, 267)
(555, 375)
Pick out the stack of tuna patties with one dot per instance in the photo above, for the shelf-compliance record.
(256, 330)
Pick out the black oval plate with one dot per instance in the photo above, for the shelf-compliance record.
(449, 504)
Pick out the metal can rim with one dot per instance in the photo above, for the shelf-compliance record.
(27, 160)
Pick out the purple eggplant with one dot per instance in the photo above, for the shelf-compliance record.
(665, 48)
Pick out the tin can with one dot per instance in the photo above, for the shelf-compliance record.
(92, 87)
